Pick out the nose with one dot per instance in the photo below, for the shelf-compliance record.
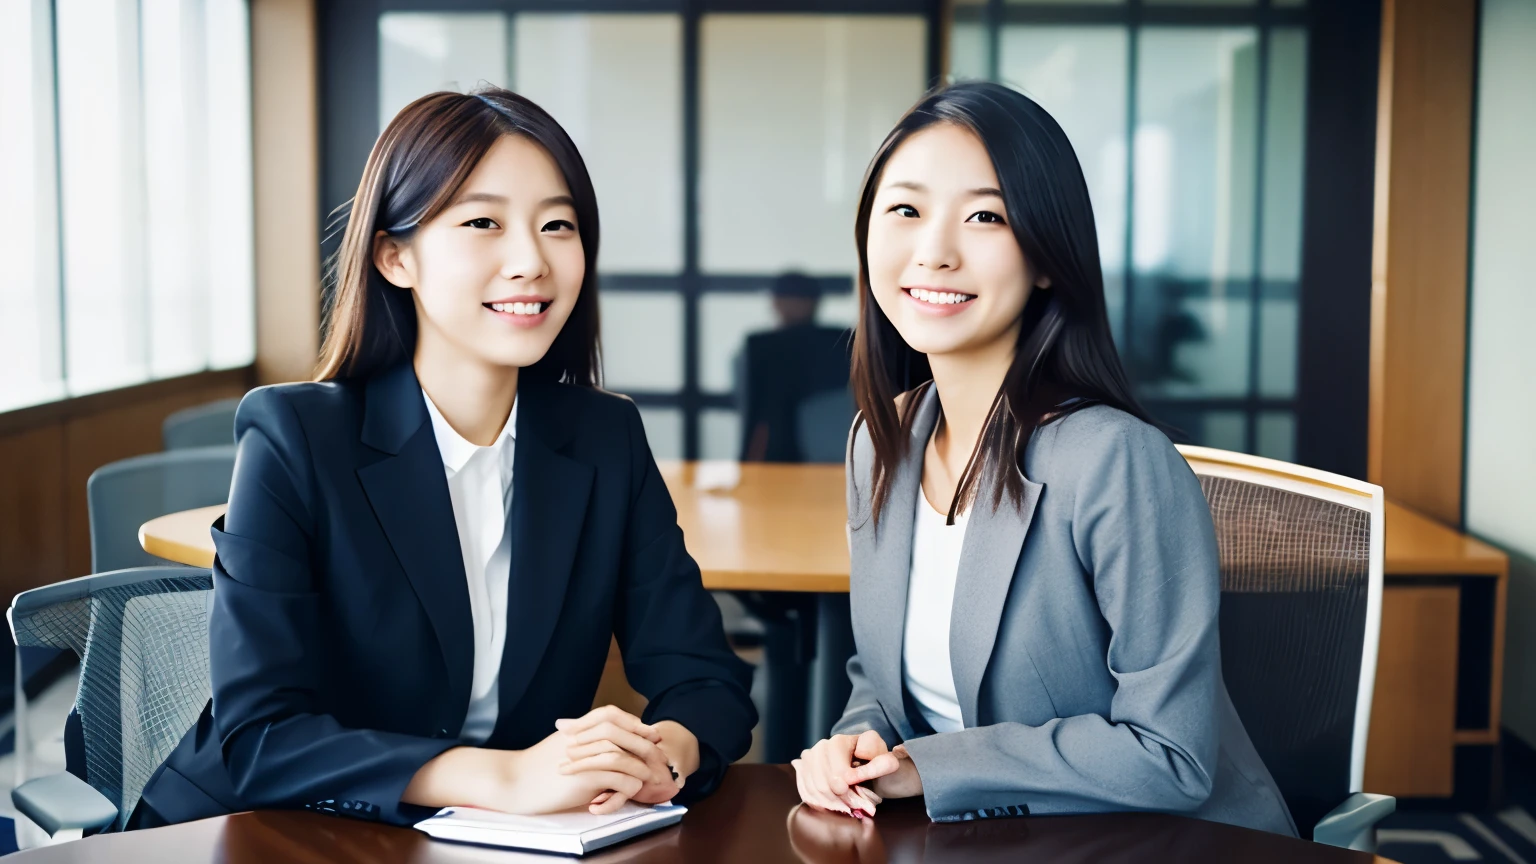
(523, 257)
(936, 248)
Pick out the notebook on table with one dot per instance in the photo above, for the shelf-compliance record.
(573, 832)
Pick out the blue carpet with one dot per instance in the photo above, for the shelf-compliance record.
(1507, 835)
(1499, 832)
(7, 825)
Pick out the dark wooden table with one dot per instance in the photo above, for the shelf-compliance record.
(752, 818)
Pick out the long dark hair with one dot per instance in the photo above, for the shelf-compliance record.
(1065, 349)
(416, 167)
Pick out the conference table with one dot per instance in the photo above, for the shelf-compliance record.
(753, 817)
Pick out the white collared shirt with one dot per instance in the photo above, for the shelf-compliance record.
(480, 487)
(926, 669)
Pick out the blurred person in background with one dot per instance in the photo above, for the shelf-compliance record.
(785, 366)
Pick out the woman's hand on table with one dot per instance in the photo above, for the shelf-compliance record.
(609, 737)
(822, 771)
(524, 782)
(892, 774)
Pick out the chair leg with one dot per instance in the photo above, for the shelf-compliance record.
(23, 741)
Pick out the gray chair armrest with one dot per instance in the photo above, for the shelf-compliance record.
(1352, 825)
(63, 802)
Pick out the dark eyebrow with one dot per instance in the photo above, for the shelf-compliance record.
(479, 196)
(918, 187)
(552, 201)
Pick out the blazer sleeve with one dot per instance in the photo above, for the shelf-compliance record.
(670, 631)
(1142, 529)
(863, 711)
(280, 750)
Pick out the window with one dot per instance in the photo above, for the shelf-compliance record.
(29, 223)
(130, 166)
(1188, 119)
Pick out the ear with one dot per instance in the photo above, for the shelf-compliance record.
(394, 261)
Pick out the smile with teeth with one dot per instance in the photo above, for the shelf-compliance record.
(533, 308)
(940, 298)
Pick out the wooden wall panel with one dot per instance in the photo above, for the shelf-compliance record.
(32, 508)
(1419, 261)
(1411, 751)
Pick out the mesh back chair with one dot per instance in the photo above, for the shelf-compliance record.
(208, 425)
(821, 424)
(142, 639)
(1301, 573)
(124, 495)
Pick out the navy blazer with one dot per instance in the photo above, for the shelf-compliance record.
(341, 640)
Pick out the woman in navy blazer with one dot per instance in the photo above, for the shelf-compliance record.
(344, 632)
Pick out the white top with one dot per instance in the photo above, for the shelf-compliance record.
(930, 600)
(480, 486)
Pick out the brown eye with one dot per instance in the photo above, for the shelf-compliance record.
(986, 216)
(482, 223)
(904, 210)
(559, 225)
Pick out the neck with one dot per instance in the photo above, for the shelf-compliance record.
(966, 385)
(473, 396)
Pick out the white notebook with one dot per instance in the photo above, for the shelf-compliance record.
(573, 832)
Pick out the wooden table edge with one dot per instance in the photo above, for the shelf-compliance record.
(153, 539)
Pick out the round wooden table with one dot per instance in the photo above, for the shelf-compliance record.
(752, 818)
(750, 527)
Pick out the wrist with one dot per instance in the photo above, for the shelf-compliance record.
(454, 776)
(681, 747)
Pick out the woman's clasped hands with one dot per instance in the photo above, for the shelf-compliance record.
(852, 774)
(611, 741)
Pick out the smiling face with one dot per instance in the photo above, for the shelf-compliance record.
(943, 263)
(496, 274)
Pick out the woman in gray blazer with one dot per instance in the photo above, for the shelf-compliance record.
(1035, 576)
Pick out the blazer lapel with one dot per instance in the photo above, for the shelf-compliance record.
(994, 537)
(549, 505)
(879, 590)
(409, 493)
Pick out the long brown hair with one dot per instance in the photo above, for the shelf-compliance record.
(1065, 359)
(416, 167)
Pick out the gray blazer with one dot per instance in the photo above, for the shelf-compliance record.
(1083, 636)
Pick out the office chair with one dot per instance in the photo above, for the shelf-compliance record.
(821, 425)
(125, 494)
(142, 639)
(208, 425)
(1301, 574)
